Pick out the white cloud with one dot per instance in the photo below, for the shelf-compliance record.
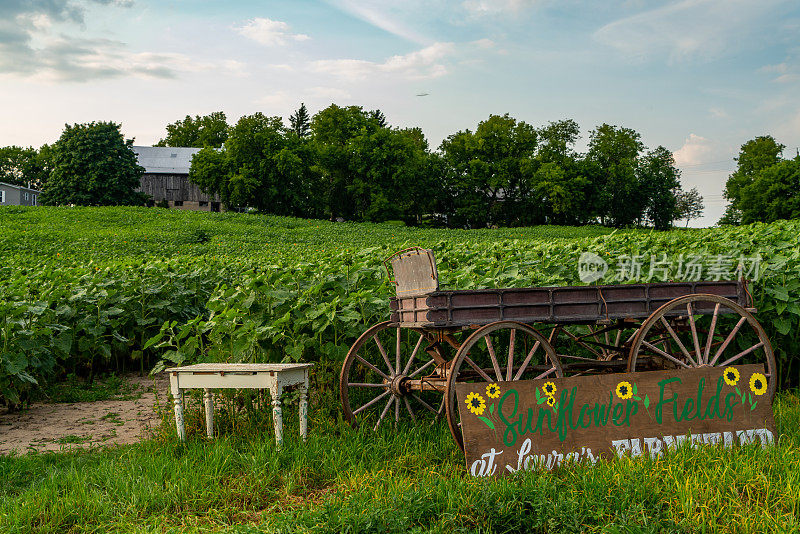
(31, 47)
(785, 72)
(428, 62)
(690, 29)
(695, 151)
(330, 93)
(480, 8)
(718, 113)
(484, 43)
(396, 18)
(789, 131)
(284, 102)
(269, 32)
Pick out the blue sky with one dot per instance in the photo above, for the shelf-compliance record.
(700, 77)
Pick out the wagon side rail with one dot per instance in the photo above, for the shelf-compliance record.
(569, 304)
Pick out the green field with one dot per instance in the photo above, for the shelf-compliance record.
(409, 480)
(85, 291)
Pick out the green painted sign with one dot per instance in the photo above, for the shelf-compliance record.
(509, 426)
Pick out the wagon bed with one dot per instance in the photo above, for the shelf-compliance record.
(435, 339)
(571, 304)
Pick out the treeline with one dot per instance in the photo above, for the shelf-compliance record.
(348, 163)
(765, 186)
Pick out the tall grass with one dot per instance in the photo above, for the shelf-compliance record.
(411, 479)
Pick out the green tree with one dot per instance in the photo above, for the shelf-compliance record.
(489, 172)
(773, 194)
(200, 131)
(689, 204)
(562, 192)
(754, 156)
(23, 166)
(93, 165)
(334, 129)
(261, 166)
(614, 153)
(391, 178)
(659, 182)
(301, 121)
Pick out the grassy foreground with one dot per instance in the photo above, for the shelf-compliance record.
(405, 480)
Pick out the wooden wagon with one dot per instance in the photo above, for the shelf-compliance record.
(408, 366)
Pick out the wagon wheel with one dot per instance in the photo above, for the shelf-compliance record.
(589, 349)
(702, 331)
(377, 376)
(504, 351)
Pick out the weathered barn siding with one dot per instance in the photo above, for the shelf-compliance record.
(166, 177)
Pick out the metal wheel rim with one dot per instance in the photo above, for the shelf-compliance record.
(716, 362)
(451, 404)
(344, 385)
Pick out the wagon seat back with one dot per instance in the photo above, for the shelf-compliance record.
(414, 271)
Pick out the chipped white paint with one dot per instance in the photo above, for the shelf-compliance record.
(272, 376)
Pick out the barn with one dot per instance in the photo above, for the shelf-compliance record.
(166, 177)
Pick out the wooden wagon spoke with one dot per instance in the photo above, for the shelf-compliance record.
(510, 366)
(742, 354)
(579, 358)
(383, 353)
(425, 404)
(710, 339)
(418, 371)
(727, 341)
(397, 411)
(583, 342)
(496, 365)
(442, 405)
(410, 411)
(383, 413)
(397, 360)
(695, 338)
(366, 385)
(678, 342)
(413, 354)
(365, 362)
(480, 371)
(545, 374)
(526, 361)
(370, 403)
(664, 354)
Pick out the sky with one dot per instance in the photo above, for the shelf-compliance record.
(700, 77)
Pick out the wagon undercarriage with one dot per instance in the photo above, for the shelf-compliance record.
(407, 368)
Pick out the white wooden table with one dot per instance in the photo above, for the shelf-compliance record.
(272, 376)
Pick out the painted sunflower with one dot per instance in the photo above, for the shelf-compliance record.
(758, 383)
(624, 390)
(551, 401)
(493, 391)
(476, 403)
(549, 388)
(731, 375)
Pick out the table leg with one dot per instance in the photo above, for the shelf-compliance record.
(178, 395)
(277, 415)
(208, 397)
(303, 413)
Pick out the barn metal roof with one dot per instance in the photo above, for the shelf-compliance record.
(165, 160)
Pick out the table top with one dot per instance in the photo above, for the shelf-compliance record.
(238, 367)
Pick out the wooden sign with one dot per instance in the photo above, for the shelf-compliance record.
(513, 426)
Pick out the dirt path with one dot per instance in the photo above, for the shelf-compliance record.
(54, 427)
